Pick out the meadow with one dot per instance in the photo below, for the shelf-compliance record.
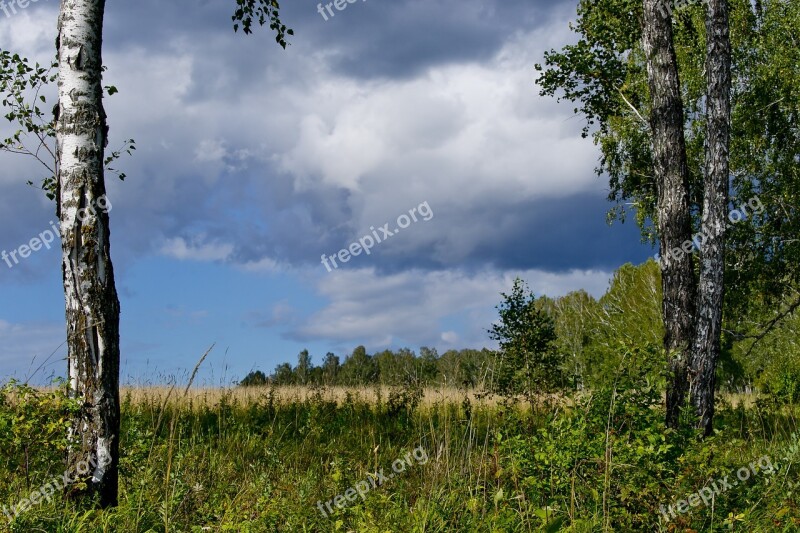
(261, 459)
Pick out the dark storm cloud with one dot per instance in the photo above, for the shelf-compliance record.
(550, 234)
(260, 150)
(372, 38)
(401, 39)
(559, 234)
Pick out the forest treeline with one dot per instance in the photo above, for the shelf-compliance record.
(595, 340)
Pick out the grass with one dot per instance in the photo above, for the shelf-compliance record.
(291, 394)
(259, 460)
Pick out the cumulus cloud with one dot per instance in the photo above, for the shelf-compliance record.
(319, 154)
(196, 250)
(414, 307)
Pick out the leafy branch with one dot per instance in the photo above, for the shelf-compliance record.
(21, 88)
(263, 11)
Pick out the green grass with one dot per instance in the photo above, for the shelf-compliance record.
(261, 464)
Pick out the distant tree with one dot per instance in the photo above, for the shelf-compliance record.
(463, 368)
(254, 379)
(359, 368)
(527, 360)
(471, 368)
(575, 321)
(447, 366)
(330, 369)
(390, 367)
(428, 365)
(304, 368)
(283, 375)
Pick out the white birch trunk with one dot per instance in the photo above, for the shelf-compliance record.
(706, 348)
(672, 184)
(92, 306)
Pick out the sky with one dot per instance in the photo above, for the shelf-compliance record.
(412, 130)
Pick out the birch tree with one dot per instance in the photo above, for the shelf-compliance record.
(659, 89)
(92, 306)
(77, 184)
(706, 347)
(671, 175)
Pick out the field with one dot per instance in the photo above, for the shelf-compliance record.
(403, 460)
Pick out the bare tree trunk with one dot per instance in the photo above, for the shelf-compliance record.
(672, 180)
(92, 306)
(706, 348)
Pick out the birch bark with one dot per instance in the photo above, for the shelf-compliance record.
(711, 290)
(672, 185)
(92, 306)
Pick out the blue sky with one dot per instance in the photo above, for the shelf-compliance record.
(253, 162)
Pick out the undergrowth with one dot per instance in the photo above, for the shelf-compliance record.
(601, 462)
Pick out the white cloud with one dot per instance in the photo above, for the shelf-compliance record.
(450, 337)
(474, 127)
(30, 30)
(262, 265)
(364, 306)
(210, 151)
(196, 250)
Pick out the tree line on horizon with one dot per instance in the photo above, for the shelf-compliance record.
(594, 342)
